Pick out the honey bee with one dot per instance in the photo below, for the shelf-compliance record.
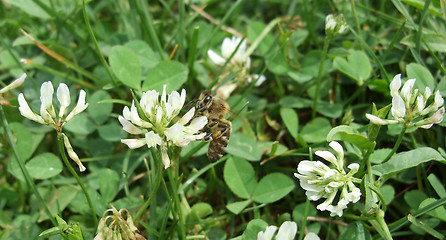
(218, 129)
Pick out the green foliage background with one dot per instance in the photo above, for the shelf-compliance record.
(107, 47)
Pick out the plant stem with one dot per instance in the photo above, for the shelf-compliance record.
(397, 144)
(25, 172)
(174, 185)
(73, 172)
(382, 223)
(319, 76)
(159, 172)
(304, 223)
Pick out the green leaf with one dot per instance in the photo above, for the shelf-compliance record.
(244, 146)
(299, 210)
(298, 36)
(125, 65)
(316, 130)
(331, 110)
(253, 228)
(111, 132)
(414, 198)
(44, 166)
(60, 198)
(373, 128)
(273, 187)
(349, 134)
(30, 8)
(357, 66)
(291, 121)
(202, 209)
(99, 111)
(147, 57)
(420, 5)
(171, 73)
(355, 231)
(405, 160)
(437, 185)
(439, 212)
(240, 177)
(388, 192)
(108, 184)
(422, 75)
(24, 140)
(436, 41)
(237, 207)
(379, 155)
(80, 124)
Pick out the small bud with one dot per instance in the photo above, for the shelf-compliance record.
(16, 83)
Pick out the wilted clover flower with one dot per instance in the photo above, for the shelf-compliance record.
(335, 25)
(287, 231)
(410, 104)
(119, 225)
(240, 61)
(157, 123)
(48, 115)
(321, 181)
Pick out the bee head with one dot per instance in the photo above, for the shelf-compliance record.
(205, 101)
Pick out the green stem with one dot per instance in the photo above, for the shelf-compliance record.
(382, 223)
(159, 170)
(358, 27)
(174, 185)
(25, 172)
(98, 51)
(73, 172)
(397, 144)
(304, 223)
(319, 76)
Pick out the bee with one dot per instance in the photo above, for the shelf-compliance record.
(218, 129)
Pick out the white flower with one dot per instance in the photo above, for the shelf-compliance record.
(410, 104)
(14, 84)
(321, 181)
(311, 236)
(287, 231)
(157, 125)
(335, 24)
(227, 48)
(239, 62)
(48, 115)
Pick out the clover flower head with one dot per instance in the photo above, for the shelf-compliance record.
(287, 231)
(321, 181)
(239, 62)
(410, 104)
(118, 225)
(335, 25)
(48, 115)
(157, 123)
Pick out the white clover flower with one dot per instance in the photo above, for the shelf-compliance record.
(321, 181)
(311, 236)
(410, 104)
(14, 84)
(239, 62)
(335, 25)
(157, 123)
(287, 231)
(227, 48)
(48, 115)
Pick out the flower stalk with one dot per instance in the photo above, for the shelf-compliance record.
(61, 141)
(319, 75)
